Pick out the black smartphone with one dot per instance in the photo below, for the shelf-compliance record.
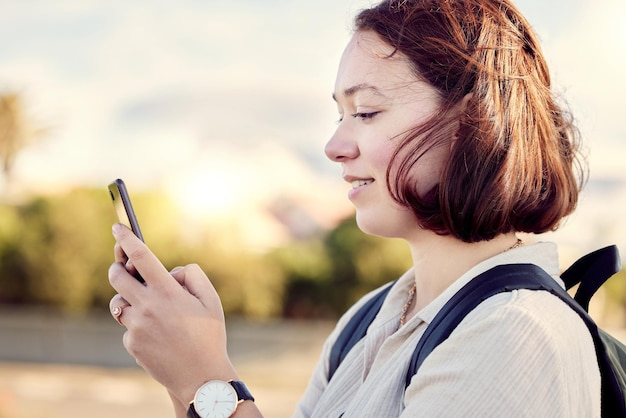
(124, 209)
(123, 206)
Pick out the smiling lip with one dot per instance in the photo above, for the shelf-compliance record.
(359, 185)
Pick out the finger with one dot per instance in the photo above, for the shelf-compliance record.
(120, 255)
(125, 284)
(118, 300)
(196, 282)
(176, 274)
(146, 263)
(116, 307)
(131, 269)
(176, 270)
(129, 343)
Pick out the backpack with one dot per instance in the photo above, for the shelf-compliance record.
(589, 272)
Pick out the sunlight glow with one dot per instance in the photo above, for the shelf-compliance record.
(205, 192)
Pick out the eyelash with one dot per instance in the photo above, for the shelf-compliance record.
(364, 116)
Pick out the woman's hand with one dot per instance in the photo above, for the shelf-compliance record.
(175, 322)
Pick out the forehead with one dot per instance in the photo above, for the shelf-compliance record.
(368, 61)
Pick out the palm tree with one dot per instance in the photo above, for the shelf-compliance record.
(15, 132)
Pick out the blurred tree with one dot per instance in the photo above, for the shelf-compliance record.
(66, 247)
(326, 277)
(614, 310)
(16, 132)
(307, 270)
(12, 263)
(55, 251)
(249, 283)
(362, 262)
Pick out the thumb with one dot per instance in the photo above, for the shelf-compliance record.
(192, 278)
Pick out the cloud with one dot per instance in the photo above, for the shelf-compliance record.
(114, 73)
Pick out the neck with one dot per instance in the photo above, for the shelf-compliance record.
(440, 260)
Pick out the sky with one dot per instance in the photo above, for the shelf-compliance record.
(228, 104)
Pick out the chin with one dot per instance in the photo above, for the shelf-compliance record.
(386, 225)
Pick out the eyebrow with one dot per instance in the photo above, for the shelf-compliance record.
(351, 91)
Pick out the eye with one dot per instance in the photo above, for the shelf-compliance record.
(365, 115)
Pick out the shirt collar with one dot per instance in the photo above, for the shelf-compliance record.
(542, 254)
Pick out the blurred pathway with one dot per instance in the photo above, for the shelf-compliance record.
(54, 366)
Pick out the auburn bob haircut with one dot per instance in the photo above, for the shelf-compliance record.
(514, 162)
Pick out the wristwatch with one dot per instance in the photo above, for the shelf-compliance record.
(217, 398)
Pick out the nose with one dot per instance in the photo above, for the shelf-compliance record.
(341, 146)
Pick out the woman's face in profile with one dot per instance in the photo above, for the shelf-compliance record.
(379, 99)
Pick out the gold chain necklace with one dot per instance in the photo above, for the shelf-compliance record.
(413, 288)
(408, 303)
(518, 243)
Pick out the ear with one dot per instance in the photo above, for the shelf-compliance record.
(457, 113)
(462, 104)
(459, 110)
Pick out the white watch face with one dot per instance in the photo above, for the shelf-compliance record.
(215, 399)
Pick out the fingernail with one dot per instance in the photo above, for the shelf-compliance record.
(116, 228)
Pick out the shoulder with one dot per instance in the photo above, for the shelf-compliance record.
(531, 324)
(520, 309)
(518, 349)
(533, 332)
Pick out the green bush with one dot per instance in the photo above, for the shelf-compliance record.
(325, 277)
(55, 251)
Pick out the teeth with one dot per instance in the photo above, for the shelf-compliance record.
(359, 183)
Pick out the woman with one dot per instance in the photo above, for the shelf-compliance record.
(452, 140)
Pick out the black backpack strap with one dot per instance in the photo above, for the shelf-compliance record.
(355, 329)
(591, 271)
(505, 278)
(499, 279)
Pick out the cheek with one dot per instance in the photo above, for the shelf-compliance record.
(430, 167)
(426, 172)
(382, 157)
